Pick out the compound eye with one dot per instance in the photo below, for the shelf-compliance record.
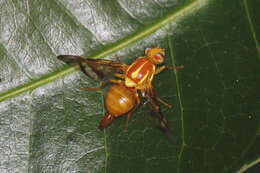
(158, 57)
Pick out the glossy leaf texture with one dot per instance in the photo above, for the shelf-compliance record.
(48, 124)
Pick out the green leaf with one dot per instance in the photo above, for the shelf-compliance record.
(48, 124)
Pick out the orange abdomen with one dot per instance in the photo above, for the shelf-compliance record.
(120, 100)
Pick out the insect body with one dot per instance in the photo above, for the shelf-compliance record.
(122, 97)
(140, 73)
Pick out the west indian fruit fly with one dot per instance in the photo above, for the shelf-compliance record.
(128, 82)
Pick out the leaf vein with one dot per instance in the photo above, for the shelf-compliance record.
(183, 144)
(251, 26)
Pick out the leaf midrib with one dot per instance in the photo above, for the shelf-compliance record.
(186, 9)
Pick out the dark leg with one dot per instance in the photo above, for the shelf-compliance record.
(130, 114)
(160, 69)
(163, 102)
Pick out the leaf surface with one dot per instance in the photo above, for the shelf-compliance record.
(48, 124)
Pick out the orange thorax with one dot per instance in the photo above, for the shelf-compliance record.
(140, 73)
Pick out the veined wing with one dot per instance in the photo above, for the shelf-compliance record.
(155, 111)
(98, 69)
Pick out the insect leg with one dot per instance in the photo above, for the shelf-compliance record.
(130, 113)
(151, 94)
(119, 75)
(160, 69)
(163, 102)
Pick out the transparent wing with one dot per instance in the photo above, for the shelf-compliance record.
(157, 113)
